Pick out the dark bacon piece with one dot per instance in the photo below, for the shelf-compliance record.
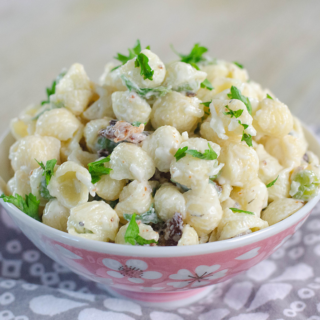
(171, 231)
(118, 131)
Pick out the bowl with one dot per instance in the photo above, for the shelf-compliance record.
(165, 277)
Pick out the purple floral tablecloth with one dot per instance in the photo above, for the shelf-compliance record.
(286, 286)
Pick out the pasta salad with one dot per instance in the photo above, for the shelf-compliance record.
(157, 154)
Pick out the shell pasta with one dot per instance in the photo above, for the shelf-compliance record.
(157, 154)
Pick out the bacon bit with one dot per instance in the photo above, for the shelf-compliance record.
(145, 188)
(160, 66)
(264, 162)
(306, 157)
(111, 219)
(190, 94)
(171, 231)
(123, 131)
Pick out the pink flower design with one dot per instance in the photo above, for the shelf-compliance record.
(199, 278)
(134, 270)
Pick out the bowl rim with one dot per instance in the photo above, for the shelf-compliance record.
(163, 252)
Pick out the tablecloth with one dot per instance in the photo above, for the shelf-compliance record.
(285, 286)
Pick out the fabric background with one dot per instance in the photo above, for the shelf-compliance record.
(285, 286)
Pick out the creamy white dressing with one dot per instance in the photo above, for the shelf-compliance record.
(216, 124)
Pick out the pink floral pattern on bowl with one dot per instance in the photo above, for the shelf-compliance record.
(144, 274)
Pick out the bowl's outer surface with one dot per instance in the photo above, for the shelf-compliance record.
(153, 269)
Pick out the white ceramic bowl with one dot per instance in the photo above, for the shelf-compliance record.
(158, 276)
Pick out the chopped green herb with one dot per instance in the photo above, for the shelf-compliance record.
(30, 206)
(181, 152)
(194, 57)
(238, 64)
(208, 154)
(272, 182)
(269, 97)
(206, 84)
(245, 126)
(52, 90)
(146, 71)
(148, 47)
(97, 169)
(132, 233)
(241, 211)
(104, 143)
(117, 67)
(232, 113)
(147, 217)
(43, 190)
(137, 123)
(48, 169)
(132, 53)
(145, 92)
(180, 186)
(236, 94)
(247, 138)
(206, 104)
(51, 106)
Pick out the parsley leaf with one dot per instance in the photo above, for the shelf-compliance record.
(145, 92)
(97, 169)
(232, 113)
(236, 94)
(104, 144)
(269, 97)
(181, 152)
(132, 233)
(206, 110)
(30, 206)
(142, 61)
(245, 126)
(147, 217)
(180, 186)
(238, 64)
(137, 123)
(51, 106)
(132, 54)
(272, 182)
(241, 211)
(48, 172)
(208, 154)
(206, 104)
(206, 84)
(52, 90)
(194, 57)
(43, 190)
(247, 138)
(48, 169)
